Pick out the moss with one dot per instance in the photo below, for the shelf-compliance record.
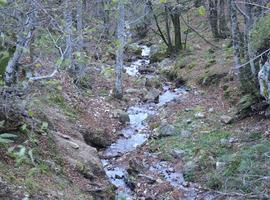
(265, 89)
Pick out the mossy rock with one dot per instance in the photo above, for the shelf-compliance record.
(181, 63)
(157, 53)
(99, 138)
(134, 48)
(153, 83)
(4, 58)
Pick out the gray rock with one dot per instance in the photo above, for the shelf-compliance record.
(153, 82)
(152, 96)
(199, 115)
(134, 48)
(124, 117)
(185, 133)
(211, 110)
(226, 119)
(189, 121)
(267, 112)
(133, 91)
(166, 63)
(73, 145)
(157, 53)
(224, 142)
(166, 130)
(220, 165)
(178, 153)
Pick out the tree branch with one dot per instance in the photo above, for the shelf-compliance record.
(201, 36)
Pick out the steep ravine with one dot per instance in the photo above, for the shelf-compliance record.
(133, 137)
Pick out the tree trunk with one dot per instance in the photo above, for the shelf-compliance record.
(80, 34)
(167, 22)
(23, 40)
(69, 39)
(249, 21)
(213, 17)
(235, 35)
(118, 90)
(106, 18)
(223, 28)
(177, 29)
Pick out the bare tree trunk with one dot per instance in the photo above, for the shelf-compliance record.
(235, 35)
(167, 22)
(69, 39)
(118, 90)
(223, 28)
(249, 21)
(177, 29)
(23, 41)
(80, 34)
(106, 17)
(213, 17)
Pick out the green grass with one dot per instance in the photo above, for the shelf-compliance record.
(245, 165)
(242, 166)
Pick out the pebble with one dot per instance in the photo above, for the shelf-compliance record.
(199, 115)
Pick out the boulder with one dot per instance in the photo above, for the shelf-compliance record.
(166, 130)
(85, 154)
(199, 115)
(157, 54)
(177, 153)
(226, 119)
(153, 82)
(146, 70)
(185, 133)
(134, 48)
(124, 117)
(99, 138)
(152, 96)
(165, 64)
(135, 166)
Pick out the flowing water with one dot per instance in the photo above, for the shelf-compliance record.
(137, 133)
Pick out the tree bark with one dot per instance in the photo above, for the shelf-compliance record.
(80, 34)
(235, 35)
(68, 31)
(213, 17)
(249, 21)
(23, 40)
(118, 90)
(167, 22)
(177, 29)
(223, 28)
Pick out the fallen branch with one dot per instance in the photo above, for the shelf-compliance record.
(44, 77)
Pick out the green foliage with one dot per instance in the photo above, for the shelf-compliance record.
(3, 2)
(202, 11)
(260, 35)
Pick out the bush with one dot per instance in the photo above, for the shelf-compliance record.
(260, 36)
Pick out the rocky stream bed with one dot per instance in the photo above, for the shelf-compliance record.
(136, 172)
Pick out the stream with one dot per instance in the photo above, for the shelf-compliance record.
(136, 134)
